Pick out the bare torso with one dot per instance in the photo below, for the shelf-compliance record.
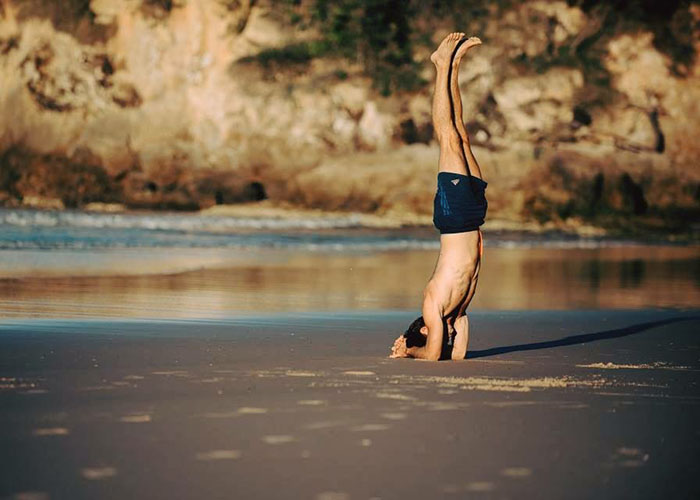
(454, 273)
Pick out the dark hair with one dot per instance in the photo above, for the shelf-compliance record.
(413, 335)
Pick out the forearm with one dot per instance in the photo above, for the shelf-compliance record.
(434, 323)
(419, 353)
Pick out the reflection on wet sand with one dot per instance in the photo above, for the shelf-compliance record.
(255, 280)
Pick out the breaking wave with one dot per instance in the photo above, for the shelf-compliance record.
(44, 230)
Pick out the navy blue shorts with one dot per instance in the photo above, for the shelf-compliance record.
(460, 203)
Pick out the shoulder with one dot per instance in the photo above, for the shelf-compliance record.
(433, 299)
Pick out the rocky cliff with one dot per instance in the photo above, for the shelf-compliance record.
(580, 112)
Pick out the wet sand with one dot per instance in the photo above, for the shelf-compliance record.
(551, 404)
(220, 282)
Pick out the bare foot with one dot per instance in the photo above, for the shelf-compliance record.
(461, 338)
(464, 46)
(443, 55)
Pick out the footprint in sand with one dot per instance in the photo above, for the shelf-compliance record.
(443, 406)
(478, 486)
(629, 457)
(92, 388)
(50, 431)
(516, 472)
(211, 380)
(210, 455)
(370, 427)
(324, 424)
(300, 373)
(98, 473)
(31, 495)
(393, 416)
(394, 395)
(278, 439)
(249, 410)
(172, 373)
(474, 487)
(136, 419)
(574, 406)
(332, 495)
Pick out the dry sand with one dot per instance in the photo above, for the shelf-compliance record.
(307, 406)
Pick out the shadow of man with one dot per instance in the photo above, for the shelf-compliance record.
(578, 339)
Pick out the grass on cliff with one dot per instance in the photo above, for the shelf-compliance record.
(382, 36)
(670, 22)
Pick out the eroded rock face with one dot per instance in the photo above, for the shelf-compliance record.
(375, 127)
(532, 28)
(630, 127)
(539, 103)
(49, 181)
(664, 105)
(168, 108)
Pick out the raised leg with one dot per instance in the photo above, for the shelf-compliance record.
(464, 46)
(452, 158)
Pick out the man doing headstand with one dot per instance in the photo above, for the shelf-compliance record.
(459, 211)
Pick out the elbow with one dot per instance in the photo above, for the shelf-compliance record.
(432, 355)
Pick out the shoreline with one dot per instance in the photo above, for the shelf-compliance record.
(574, 226)
(635, 229)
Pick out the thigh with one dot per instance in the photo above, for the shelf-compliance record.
(452, 158)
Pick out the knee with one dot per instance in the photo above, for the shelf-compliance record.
(450, 140)
(461, 323)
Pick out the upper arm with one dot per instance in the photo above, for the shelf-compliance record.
(434, 323)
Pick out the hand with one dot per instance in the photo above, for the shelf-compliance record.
(399, 349)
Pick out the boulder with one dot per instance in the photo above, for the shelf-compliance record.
(568, 21)
(630, 127)
(350, 96)
(532, 28)
(640, 72)
(539, 102)
(375, 129)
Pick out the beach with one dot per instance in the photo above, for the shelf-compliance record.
(217, 218)
(164, 356)
(550, 404)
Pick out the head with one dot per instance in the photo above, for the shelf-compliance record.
(416, 333)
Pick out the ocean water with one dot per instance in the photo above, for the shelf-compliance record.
(172, 265)
(47, 230)
(76, 230)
